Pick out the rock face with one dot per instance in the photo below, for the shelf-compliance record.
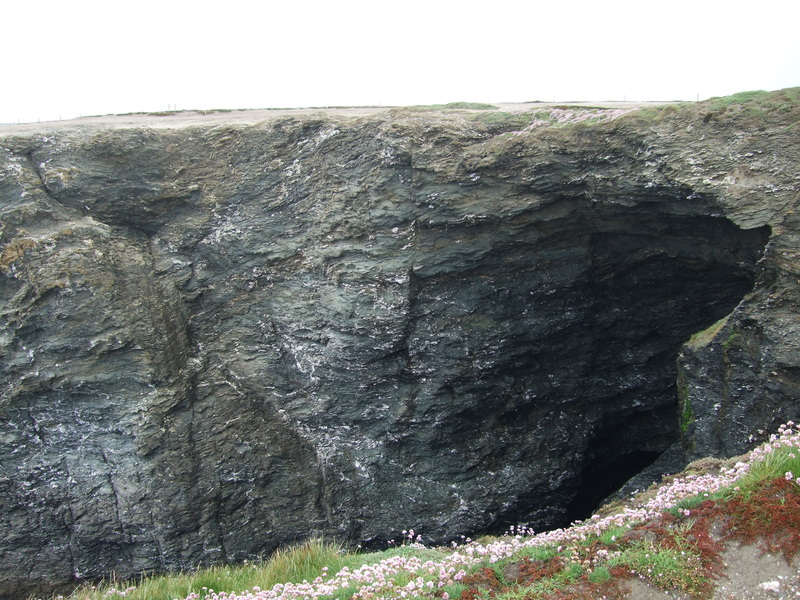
(220, 339)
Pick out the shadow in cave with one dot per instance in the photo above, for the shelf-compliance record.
(651, 293)
(652, 284)
(600, 479)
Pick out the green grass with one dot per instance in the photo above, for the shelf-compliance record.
(611, 536)
(538, 552)
(733, 338)
(471, 106)
(684, 404)
(657, 113)
(545, 586)
(506, 120)
(747, 109)
(666, 568)
(777, 464)
(704, 338)
(581, 107)
(293, 564)
(289, 565)
(672, 552)
(457, 106)
(695, 501)
(600, 575)
(756, 98)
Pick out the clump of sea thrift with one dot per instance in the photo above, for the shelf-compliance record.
(427, 579)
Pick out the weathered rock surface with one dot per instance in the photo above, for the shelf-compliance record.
(217, 340)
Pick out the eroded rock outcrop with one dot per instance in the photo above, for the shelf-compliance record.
(220, 339)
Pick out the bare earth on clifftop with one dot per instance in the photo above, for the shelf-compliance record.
(750, 574)
(192, 118)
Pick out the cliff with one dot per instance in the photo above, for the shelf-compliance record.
(220, 338)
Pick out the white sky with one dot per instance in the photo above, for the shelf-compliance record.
(65, 58)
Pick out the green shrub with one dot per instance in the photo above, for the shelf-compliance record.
(599, 575)
(471, 106)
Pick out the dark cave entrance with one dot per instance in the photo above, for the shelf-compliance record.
(653, 287)
(602, 479)
(652, 281)
(573, 326)
(606, 469)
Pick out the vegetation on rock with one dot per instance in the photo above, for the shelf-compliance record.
(671, 537)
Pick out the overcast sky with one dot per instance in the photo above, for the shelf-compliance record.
(67, 58)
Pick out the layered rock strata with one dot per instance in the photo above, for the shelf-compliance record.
(220, 339)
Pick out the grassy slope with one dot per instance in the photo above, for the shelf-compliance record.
(671, 537)
(747, 110)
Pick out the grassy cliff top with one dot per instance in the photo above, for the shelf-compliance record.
(753, 105)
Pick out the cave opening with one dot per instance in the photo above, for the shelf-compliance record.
(599, 480)
(653, 286)
(565, 337)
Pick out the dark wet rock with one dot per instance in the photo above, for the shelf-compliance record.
(218, 340)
